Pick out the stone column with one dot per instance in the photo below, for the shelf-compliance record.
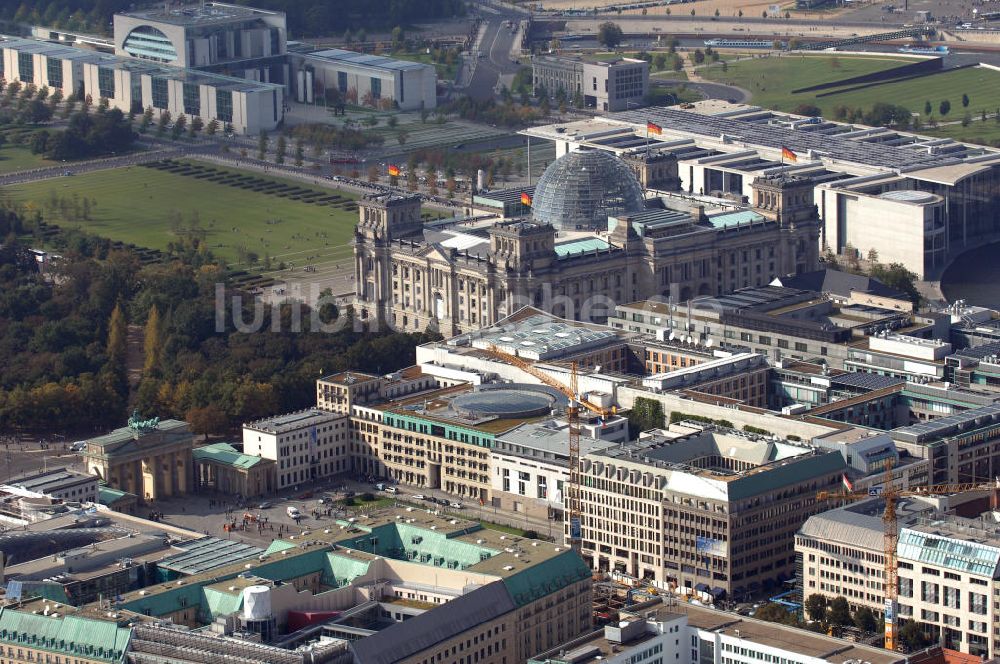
(182, 473)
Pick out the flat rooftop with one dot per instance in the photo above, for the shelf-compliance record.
(792, 639)
(541, 337)
(302, 419)
(52, 480)
(209, 13)
(366, 60)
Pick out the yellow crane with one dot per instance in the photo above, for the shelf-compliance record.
(571, 497)
(891, 494)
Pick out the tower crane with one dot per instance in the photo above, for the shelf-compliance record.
(571, 498)
(891, 494)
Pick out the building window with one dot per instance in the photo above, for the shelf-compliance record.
(342, 81)
(160, 94)
(106, 82)
(192, 99)
(53, 67)
(376, 88)
(25, 67)
(275, 41)
(224, 105)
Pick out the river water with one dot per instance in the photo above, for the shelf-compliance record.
(975, 277)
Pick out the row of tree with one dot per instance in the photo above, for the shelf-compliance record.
(305, 17)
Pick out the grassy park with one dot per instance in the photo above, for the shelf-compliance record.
(19, 158)
(771, 81)
(239, 213)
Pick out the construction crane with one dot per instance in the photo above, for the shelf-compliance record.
(571, 497)
(891, 494)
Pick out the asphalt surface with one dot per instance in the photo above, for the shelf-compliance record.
(495, 47)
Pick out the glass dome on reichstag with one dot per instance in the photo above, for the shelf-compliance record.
(581, 189)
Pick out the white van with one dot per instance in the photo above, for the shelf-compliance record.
(293, 512)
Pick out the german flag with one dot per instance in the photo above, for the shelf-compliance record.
(394, 170)
(525, 199)
(653, 128)
(786, 153)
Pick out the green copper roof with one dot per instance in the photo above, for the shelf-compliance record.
(342, 569)
(225, 454)
(125, 434)
(68, 635)
(581, 246)
(546, 577)
(279, 545)
(108, 496)
(406, 542)
(222, 603)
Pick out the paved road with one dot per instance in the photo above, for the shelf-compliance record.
(495, 47)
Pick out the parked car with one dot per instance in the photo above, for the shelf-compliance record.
(264, 505)
(391, 489)
(78, 446)
(442, 501)
(418, 496)
(293, 511)
(456, 506)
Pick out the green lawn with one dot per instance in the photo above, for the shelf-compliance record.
(986, 133)
(771, 80)
(136, 204)
(19, 158)
(444, 71)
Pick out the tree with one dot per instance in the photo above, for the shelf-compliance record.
(373, 173)
(716, 13)
(281, 150)
(912, 635)
(895, 275)
(401, 136)
(864, 619)
(300, 151)
(262, 142)
(117, 332)
(965, 100)
(928, 109)
(609, 35)
(873, 256)
(660, 61)
(698, 57)
(646, 414)
(196, 125)
(178, 127)
(153, 343)
(815, 606)
(212, 127)
(788, 14)
(763, 14)
(398, 36)
(207, 421)
(809, 110)
(161, 125)
(944, 107)
(839, 612)
(772, 612)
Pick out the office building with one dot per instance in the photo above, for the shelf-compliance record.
(355, 593)
(605, 85)
(459, 276)
(361, 78)
(132, 85)
(65, 484)
(689, 634)
(214, 35)
(529, 465)
(306, 446)
(789, 324)
(948, 565)
(929, 198)
(712, 511)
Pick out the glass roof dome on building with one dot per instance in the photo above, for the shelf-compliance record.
(581, 189)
